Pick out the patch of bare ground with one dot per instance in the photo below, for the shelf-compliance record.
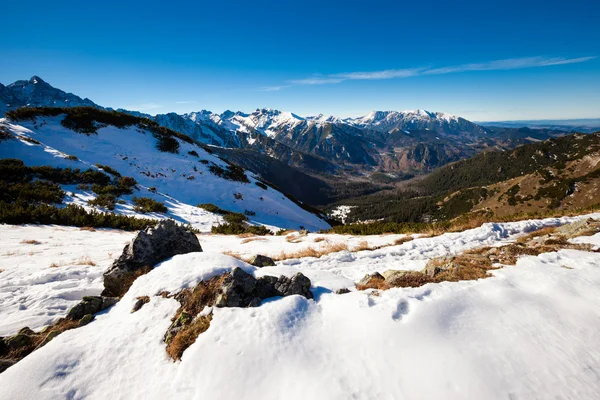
(476, 263)
(31, 241)
(187, 324)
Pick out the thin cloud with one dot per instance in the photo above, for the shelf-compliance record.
(318, 81)
(496, 65)
(385, 74)
(186, 102)
(273, 88)
(511, 63)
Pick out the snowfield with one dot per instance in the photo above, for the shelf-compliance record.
(182, 180)
(529, 332)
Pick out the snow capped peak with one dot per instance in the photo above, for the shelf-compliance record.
(36, 79)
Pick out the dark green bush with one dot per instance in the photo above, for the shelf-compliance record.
(36, 191)
(235, 218)
(110, 170)
(261, 185)
(238, 229)
(146, 205)
(107, 201)
(167, 144)
(21, 212)
(232, 173)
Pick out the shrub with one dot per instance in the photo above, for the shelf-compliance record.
(5, 134)
(238, 229)
(261, 185)
(146, 205)
(212, 208)
(72, 158)
(21, 212)
(249, 213)
(31, 192)
(107, 201)
(110, 170)
(232, 173)
(235, 218)
(167, 144)
(29, 139)
(193, 153)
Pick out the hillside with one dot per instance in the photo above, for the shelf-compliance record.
(557, 174)
(168, 167)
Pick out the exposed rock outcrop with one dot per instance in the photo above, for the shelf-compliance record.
(261, 261)
(91, 305)
(147, 249)
(232, 289)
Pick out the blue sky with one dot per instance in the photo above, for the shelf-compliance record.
(484, 60)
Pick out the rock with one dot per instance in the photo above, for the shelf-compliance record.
(241, 289)
(370, 278)
(237, 289)
(392, 276)
(579, 228)
(265, 287)
(140, 301)
(3, 347)
(342, 291)
(147, 249)
(18, 340)
(51, 335)
(261, 261)
(87, 318)
(26, 331)
(432, 269)
(90, 305)
(5, 364)
(298, 284)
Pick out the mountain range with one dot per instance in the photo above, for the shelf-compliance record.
(406, 142)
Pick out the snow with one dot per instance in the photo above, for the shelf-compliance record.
(593, 240)
(132, 152)
(530, 331)
(34, 294)
(341, 212)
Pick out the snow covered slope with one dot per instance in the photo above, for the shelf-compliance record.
(180, 180)
(528, 332)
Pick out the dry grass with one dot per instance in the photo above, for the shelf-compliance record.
(294, 238)
(30, 242)
(402, 240)
(187, 336)
(1, 270)
(54, 265)
(319, 239)
(374, 283)
(253, 239)
(312, 252)
(192, 303)
(85, 261)
(246, 235)
(234, 255)
(536, 234)
(87, 228)
(364, 245)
